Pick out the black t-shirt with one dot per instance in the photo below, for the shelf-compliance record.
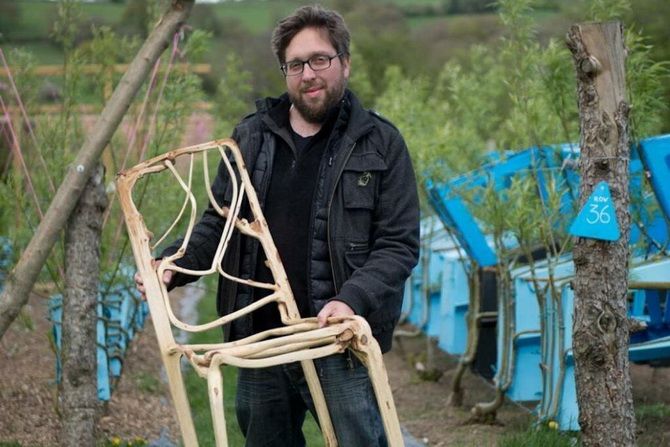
(288, 211)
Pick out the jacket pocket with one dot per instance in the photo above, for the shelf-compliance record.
(360, 179)
(355, 255)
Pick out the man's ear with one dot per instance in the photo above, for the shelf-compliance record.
(346, 65)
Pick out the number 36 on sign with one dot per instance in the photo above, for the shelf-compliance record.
(597, 219)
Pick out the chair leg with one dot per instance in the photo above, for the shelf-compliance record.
(180, 400)
(319, 403)
(215, 389)
(367, 350)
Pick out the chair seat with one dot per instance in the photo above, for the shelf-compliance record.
(271, 347)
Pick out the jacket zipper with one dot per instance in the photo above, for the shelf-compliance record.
(330, 204)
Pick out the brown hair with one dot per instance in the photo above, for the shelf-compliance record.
(310, 17)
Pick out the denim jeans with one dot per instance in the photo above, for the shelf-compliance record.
(272, 403)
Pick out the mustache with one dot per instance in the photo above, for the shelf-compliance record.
(311, 85)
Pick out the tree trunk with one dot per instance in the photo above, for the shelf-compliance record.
(600, 331)
(78, 388)
(22, 278)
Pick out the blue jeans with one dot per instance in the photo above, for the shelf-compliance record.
(272, 402)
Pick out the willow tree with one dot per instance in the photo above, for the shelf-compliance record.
(22, 278)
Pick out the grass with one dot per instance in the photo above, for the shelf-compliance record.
(197, 390)
(539, 437)
(147, 383)
(44, 52)
(652, 424)
(257, 16)
(34, 21)
(647, 412)
(36, 18)
(414, 2)
(649, 418)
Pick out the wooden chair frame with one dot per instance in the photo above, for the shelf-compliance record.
(299, 340)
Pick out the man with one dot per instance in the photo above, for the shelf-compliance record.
(338, 191)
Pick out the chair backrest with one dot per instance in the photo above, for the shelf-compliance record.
(180, 167)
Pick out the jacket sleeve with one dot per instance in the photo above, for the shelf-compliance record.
(394, 238)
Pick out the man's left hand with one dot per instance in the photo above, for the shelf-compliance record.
(334, 309)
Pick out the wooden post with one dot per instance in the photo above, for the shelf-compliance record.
(22, 278)
(78, 388)
(600, 331)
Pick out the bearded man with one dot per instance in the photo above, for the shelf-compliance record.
(337, 188)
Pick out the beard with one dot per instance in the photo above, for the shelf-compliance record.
(316, 113)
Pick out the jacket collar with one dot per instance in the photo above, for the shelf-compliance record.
(274, 113)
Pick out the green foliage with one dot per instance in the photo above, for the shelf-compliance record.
(463, 104)
(359, 81)
(46, 151)
(503, 100)
(560, 90)
(66, 25)
(381, 36)
(516, 16)
(12, 213)
(515, 95)
(149, 128)
(136, 17)
(651, 18)
(105, 49)
(234, 95)
(533, 85)
(408, 111)
(647, 80)
(603, 10)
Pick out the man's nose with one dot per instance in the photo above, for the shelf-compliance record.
(307, 72)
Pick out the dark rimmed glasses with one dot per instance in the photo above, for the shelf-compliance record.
(318, 62)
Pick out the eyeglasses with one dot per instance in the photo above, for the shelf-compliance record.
(317, 62)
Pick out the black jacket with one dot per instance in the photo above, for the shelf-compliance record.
(365, 227)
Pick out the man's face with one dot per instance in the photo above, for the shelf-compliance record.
(313, 93)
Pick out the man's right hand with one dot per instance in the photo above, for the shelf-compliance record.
(139, 282)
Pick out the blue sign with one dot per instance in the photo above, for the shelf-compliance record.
(597, 219)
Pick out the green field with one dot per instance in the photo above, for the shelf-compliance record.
(32, 28)
(258, 16)
(36, 17)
